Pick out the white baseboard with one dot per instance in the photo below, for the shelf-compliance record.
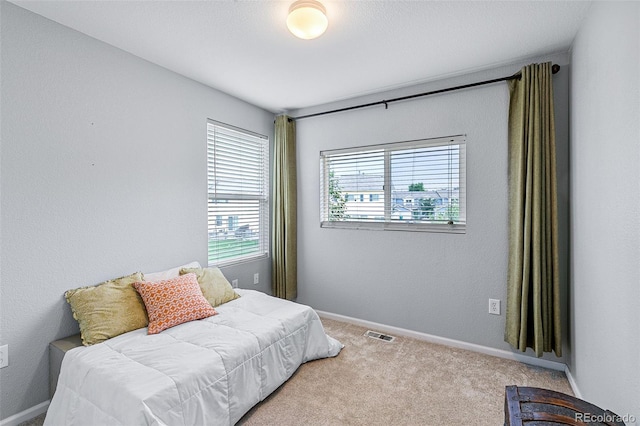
(539, 362)
(572, 382)
(25, 415)
(553, 365)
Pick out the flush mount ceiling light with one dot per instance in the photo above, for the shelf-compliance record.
(307, 19)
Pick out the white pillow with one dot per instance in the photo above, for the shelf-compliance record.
(169, 273)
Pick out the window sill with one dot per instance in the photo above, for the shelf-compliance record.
(458, 228)
(238, 260)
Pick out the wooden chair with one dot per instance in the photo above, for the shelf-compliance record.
(534, 406)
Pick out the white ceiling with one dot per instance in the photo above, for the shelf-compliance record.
(244, 48)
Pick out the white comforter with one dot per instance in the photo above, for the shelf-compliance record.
(207, 372)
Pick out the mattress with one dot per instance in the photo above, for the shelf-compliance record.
(205, 372)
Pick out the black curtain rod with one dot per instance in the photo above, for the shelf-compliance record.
(554, 69)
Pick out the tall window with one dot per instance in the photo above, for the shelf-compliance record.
(411, 186)
(238, 205)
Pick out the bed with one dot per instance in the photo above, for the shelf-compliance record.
(205, 372)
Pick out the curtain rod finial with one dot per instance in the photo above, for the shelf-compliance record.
(555, 68)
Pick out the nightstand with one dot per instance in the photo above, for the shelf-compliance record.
(57, 350)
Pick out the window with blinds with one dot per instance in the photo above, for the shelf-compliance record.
(238, 194)
(410, 186)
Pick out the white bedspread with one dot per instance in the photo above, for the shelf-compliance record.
(207, 372)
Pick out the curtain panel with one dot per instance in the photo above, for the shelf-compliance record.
(533, 287)
(284, 268)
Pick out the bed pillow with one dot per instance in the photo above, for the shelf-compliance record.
(108, 309)
(173, 302)
(215, 287)
(169, 273)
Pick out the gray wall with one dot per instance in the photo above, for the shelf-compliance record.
(427, 282)
(103, 173)
(605, 207)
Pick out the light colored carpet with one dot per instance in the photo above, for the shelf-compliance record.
(36, 421)
(406, 382)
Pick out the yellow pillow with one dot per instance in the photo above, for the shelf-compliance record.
(108, 309)
(215, 287)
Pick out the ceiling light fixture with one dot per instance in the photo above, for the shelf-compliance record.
(307, 19)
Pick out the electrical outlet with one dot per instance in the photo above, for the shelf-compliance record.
(234, 283)
(256, 278)
(494, 306)
(4, 356)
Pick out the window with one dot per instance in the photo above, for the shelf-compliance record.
(412, 186)
(238, 194)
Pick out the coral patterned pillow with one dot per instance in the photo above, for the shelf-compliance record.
(172, 302)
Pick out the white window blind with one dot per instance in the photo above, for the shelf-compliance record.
(238, 194)
(413, 186)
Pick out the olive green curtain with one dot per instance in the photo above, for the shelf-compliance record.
(533, 286)
(284, 268)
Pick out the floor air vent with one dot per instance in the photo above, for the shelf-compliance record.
(379, 336)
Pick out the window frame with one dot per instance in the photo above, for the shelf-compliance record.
(388, 224)
(216, 218)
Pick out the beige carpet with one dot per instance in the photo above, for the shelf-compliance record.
(406, 382)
